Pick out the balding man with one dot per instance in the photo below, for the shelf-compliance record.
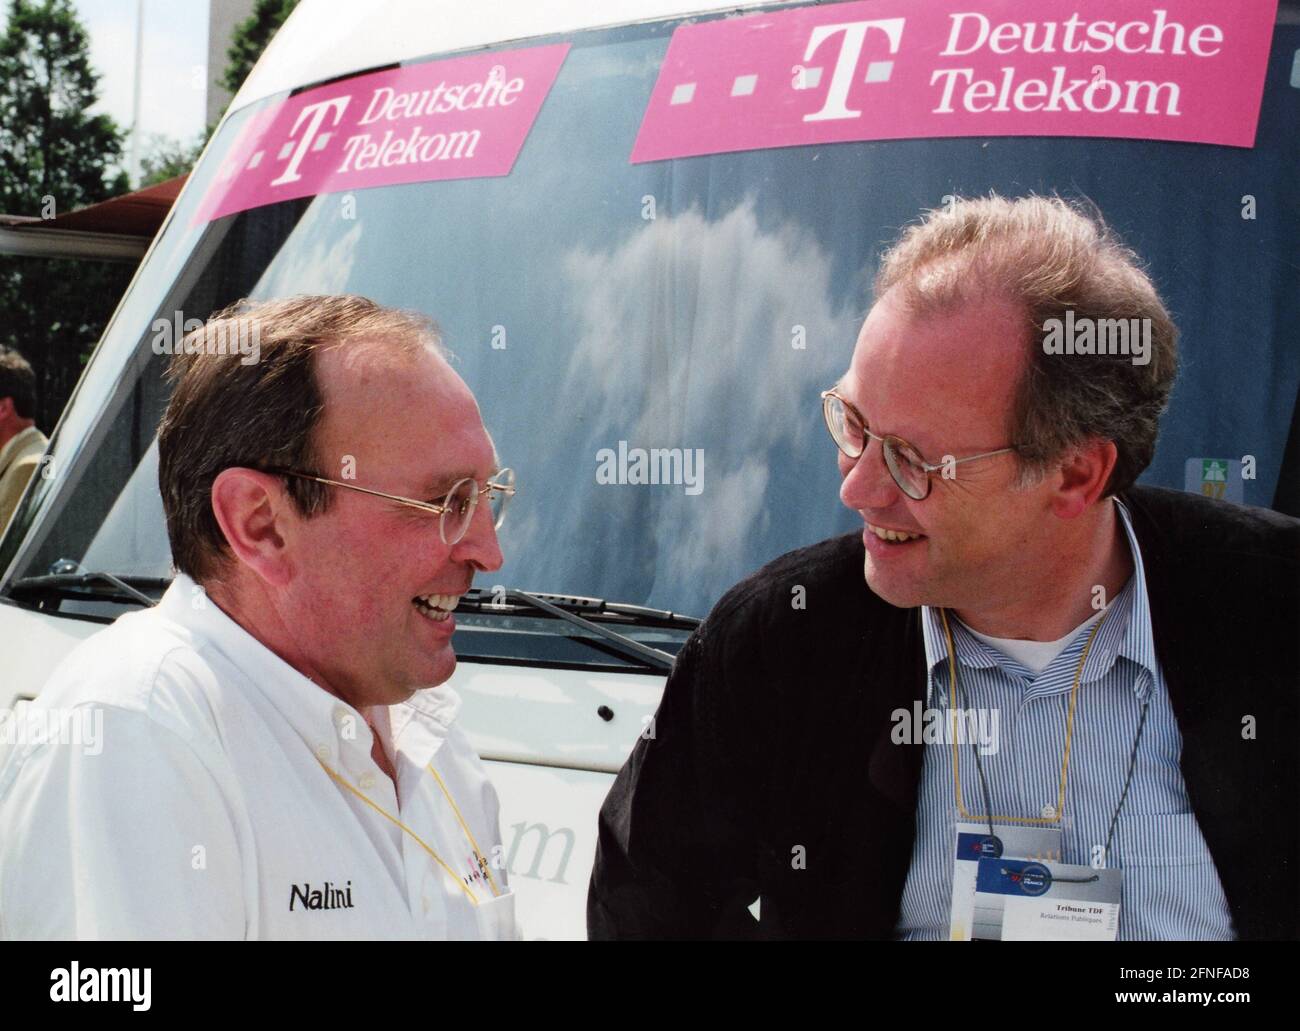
(1027, 680)
(276, 760)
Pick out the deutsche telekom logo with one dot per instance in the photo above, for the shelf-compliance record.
(314, 115)
(807, 77)
(844, 61)
(854, 35)
(459, 118)
(890, 69)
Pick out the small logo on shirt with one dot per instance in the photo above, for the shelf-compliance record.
(325, 897)
(478, 871)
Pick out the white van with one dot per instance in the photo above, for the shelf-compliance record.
(647, 231)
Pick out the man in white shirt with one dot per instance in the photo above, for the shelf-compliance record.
(271, 756)
(21, 443)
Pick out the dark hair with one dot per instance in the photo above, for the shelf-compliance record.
(229, 411)
(17, 380)
(1049, 256)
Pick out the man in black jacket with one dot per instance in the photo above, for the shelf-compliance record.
(1139, 644)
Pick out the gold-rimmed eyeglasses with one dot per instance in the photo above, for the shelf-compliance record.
(910, 471)
(456, 510)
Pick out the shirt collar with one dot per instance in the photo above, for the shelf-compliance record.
(331, 728)
(971, 651)
(1138, 643)
(1126, 631)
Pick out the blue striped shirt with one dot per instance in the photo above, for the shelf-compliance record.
(1170, 888)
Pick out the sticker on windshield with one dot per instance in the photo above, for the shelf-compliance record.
(462, 118)
(1187, 70)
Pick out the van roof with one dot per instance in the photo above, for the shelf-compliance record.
(324, 39)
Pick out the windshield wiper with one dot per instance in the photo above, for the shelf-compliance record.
(567, 607)
(102, 584)
(105, 585)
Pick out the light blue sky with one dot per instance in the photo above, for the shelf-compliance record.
(173, 71)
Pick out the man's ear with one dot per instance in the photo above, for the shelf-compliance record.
(252, 510)
(1084, 472)
(7, 410)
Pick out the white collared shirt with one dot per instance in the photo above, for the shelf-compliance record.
(184, 796)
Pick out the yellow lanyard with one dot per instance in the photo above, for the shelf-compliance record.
(1069, 733)
(483, 865)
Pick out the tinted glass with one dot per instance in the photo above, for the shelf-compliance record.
(682, 317)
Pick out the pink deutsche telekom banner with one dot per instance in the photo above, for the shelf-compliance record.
(465, 117)
(1188, 70)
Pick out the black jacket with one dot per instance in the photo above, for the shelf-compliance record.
(773, 736)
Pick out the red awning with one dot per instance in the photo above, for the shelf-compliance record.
(132, 214)
(117, 229)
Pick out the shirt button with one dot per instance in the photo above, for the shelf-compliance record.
(367, 781)
(426, 904)
(1049, 812)
(340, 715)
(322, 752)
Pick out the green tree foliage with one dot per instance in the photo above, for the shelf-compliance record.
(251, 37)
(165, 158)
(54, 157)
(168, 157)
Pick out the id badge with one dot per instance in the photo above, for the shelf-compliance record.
(1023, 900)
(973, 843)
(496, 918)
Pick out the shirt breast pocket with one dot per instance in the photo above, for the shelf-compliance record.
(1161, 840)
(496, 918)
(1171, 887)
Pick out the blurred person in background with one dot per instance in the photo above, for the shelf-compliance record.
(21, 443)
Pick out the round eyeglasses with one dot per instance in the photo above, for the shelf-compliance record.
(910, 471)
(455, 511)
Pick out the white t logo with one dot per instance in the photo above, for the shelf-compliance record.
(850, 51)
(317, 113)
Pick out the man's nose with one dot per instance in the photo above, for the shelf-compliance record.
(867, 483)
(480, 547)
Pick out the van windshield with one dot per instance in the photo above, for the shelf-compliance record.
(675, 321)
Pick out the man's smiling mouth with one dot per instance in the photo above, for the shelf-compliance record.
(437, 607)
(894, 536)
